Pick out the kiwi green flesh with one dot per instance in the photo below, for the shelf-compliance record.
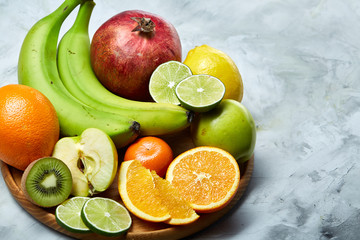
(47, 182)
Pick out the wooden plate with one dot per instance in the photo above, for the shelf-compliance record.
(140, 229)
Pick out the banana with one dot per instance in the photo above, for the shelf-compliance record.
(78, 77)
(37, 68)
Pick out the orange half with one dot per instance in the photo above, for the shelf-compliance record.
(151, 197)
(180, 211)
(138, 192)
(206, 177)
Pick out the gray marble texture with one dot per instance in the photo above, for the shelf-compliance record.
(300, 65)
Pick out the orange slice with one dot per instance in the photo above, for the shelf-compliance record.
(180, 211)
(152, 198)
(138, 192)
(206, 177)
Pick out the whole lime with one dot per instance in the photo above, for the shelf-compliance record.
(229, 126)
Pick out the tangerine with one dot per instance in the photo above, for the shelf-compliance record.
(206, 177)
(153, 153)
(29, 127)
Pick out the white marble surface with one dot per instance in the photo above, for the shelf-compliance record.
(300, 64)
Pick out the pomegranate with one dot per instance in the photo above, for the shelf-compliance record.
(128, 47)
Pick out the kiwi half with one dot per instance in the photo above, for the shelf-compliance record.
(47, 182)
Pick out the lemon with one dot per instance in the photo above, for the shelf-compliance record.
(208, 60)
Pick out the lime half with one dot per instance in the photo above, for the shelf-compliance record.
(68, 215)
(164, 80)
(200, 93)
(106, 216)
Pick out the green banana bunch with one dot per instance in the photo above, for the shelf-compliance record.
(78, 77)
(37, 68)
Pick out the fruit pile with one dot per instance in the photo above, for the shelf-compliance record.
(80, 101)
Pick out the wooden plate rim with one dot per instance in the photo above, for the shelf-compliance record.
(49, 220)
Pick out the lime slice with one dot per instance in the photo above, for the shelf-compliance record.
(200, 93)
(106, 216)
(68, 215)
(164, 80)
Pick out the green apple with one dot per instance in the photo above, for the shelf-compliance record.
(229, 126)
(92, 159)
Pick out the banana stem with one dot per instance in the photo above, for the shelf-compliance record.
(82, 20)
(190, 116)
(51, 23)
(65, 9)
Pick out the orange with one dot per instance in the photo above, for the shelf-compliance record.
(180, 211)
(206, 177)
(137, 190)
(152, 198)
(29, 127)
(153, 153)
